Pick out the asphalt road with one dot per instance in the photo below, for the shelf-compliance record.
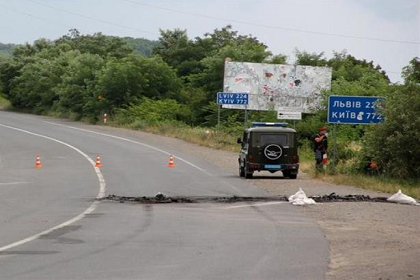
(52, 227)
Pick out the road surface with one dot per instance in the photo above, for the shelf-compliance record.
(53, 227)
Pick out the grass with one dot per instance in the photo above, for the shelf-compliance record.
(208, 137)
(384, 184)
(376, 183)
(379, 183)
(4, 103)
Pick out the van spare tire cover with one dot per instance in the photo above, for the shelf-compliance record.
(273, 151)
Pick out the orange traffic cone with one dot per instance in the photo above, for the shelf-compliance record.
(171, 161)
(98, 162)
(38, 162)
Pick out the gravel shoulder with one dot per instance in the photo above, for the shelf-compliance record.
(367, 240)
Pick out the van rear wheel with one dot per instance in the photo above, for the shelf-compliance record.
(288, 174)
(248, 173)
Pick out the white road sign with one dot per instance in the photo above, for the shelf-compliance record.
(289, 115)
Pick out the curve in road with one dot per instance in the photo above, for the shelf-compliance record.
(128, 241)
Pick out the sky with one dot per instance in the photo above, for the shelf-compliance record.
(386, 32)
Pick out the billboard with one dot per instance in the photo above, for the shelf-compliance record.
(272, 86)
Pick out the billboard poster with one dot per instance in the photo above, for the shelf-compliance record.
(274, 86)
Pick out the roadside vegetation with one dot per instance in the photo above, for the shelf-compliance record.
(4, 103)
(169, 87)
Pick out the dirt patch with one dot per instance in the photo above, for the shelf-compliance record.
(371, 240)
(367, 240)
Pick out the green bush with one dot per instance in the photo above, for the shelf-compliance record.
(395, 143)
(153, 112)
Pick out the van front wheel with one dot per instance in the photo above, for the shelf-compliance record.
(241, 171)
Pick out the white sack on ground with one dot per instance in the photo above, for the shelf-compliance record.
(300, 198)
(399, 197)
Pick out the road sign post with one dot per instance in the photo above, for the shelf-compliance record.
(232, 98)
(353, 110)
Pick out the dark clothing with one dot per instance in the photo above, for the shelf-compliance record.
(320, 148)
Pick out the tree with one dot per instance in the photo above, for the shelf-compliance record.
(142, 46)
(78, 83)
(245, 49)
(352, 69)
(6, 49)
(310, 59)
(411, 72)
(34, 87)
(394, 144)
(102, 45)
(178, 51)
(123, 81)
(277, 59)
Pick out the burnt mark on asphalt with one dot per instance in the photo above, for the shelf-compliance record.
(57, 235)
(333, 197)
(60, 231)
(191, 199)
(161, 199)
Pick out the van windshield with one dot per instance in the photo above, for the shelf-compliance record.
(273, 139)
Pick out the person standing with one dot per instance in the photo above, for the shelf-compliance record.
(320, 147)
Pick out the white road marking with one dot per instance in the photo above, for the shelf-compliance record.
(92, 207)
(132, 141)
(148, 146)
(13, 183)
(257, 204)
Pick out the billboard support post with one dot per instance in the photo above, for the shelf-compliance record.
(246, 116)
(238, 99)
(218, 118)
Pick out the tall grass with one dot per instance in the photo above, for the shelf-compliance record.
(208, 137)
(378, 183)
(4, 103)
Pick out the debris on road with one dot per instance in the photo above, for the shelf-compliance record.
(161, 198)
(300, 198)
(333, 197)
(399, 197)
